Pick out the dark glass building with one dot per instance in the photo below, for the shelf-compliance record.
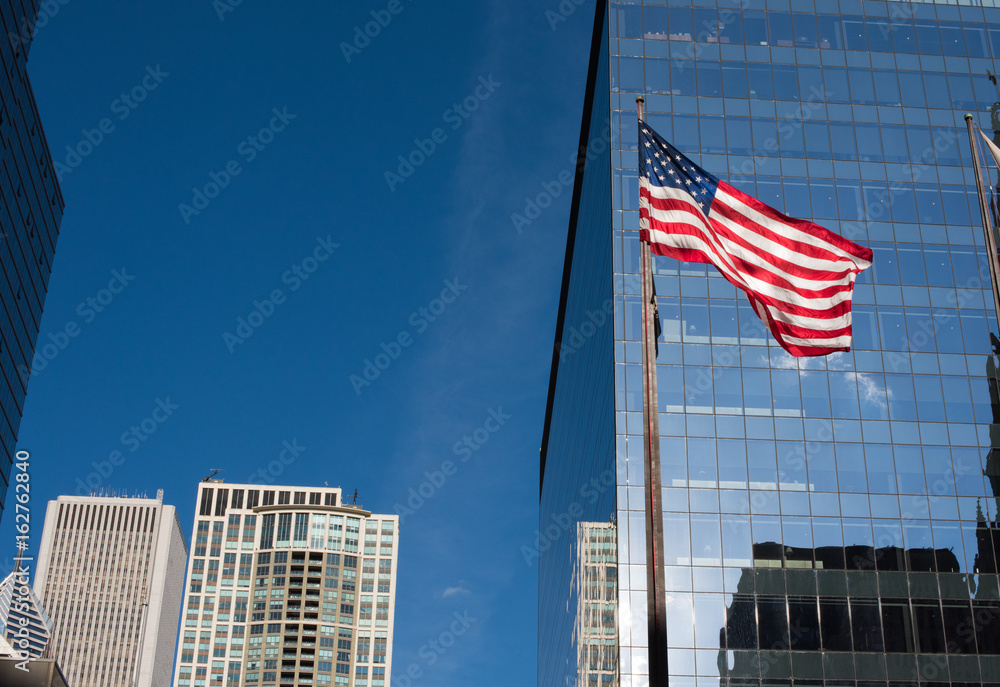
(31, 207)
(827, 521)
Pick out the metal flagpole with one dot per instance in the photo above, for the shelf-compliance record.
(656, 612)
(984, 210)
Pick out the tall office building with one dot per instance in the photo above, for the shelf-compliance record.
(109, 575)
(827, 520)
(287, 585)
(29, 222)
(597, 604)
(24, 624)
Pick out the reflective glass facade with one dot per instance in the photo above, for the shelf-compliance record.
(828, 521)
(31, 208)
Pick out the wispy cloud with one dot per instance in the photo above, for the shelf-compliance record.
(453, 591)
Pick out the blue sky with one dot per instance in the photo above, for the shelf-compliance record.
(161, 102)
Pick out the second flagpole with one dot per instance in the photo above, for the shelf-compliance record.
(656, 613)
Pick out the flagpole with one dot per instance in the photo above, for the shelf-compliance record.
(656, 614)
(984, 210)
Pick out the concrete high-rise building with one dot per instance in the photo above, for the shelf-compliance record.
(287, 585)
(29, 225)
(109, 575)
(829, 520)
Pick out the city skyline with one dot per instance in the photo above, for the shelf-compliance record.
(148, 108)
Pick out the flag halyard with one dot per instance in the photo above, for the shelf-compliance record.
(798, 276)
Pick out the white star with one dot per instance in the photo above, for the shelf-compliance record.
(688, 182)
(660, 177)
(697, 178)
(648, 144)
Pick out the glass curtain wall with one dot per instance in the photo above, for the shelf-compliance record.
(827, 520)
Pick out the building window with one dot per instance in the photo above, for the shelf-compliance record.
(206, 502)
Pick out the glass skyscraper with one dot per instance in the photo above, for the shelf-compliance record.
(31, 209)
(830, 520)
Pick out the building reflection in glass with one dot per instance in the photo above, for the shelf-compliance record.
(597, 604)
(866, 600)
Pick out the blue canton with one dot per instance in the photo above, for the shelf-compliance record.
(666, 166)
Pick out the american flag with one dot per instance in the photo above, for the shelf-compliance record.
(798, 276)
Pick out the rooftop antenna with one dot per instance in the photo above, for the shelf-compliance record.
(216, 472)
(354, 502)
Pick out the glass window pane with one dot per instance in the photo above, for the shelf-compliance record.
(866, 624)
(862, 87)
(804, 30)
(854, 33)
(780, 29)
(786, 83)
(952, 39)
(734, 80)
(709, 78)
(759, 76)
(904, 38)
(927, 37)
(835, 622)
(929, 628)
(911, 88)
(896, 618)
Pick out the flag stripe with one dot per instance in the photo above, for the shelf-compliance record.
(798, 276)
